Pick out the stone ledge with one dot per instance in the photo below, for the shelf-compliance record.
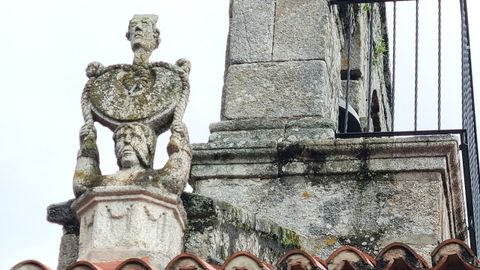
(431, 153)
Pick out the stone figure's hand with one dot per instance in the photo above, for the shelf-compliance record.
(87, 132)
(179, 129)
(184, 64)
(173, 146)
(94, 69)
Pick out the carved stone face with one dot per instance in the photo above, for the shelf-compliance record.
(142, 32)
(134, 146)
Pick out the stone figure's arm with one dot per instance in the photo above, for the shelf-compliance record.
(174, 175)
(87, 171)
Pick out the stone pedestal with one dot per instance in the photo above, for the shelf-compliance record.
(117, 223)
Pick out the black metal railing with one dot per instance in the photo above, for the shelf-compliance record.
(467, 132)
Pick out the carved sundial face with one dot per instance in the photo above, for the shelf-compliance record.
(131, 93)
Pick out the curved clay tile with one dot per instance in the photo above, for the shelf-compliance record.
(453, 246)
(134, 264)
(30, 265)
(299, 260)
(348, 257)
(453, 262)
(86, 265)
(244, 260)
(399, 256)
(186, 261)
(323, 262)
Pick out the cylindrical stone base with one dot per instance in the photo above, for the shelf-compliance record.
(118, 223)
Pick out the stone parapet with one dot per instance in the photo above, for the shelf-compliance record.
(366, 192)
(121, 222)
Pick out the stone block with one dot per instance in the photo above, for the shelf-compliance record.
(121, 222)
(244, 137)
(278, 90)
(248, 124)
(303, 30)
(251, 31)
(233, 170)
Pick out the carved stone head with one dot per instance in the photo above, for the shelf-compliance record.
(134, 145)
(142, 32)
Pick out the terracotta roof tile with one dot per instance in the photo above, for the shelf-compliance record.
(244, 260)
(135, 264)
(30, 265)
(186, 261)
(453, 254)
(398, 256)
(450, 255)
(348, 257)
(130, 264)
(300, 260)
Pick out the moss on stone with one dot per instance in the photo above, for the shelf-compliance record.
(289, 238)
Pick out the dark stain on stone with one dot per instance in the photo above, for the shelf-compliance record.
(222, 156)
(286, 154)
(200, 210)
(315, 155)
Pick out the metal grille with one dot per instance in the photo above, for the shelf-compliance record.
(469, 125)
(468, 132)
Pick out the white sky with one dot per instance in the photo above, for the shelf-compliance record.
(45, 48)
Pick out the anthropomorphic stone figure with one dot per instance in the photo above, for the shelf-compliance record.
(137, 102)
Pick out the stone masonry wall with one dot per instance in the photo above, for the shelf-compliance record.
(380, 115)
(283, 62)
(364, 192)
(217, 229)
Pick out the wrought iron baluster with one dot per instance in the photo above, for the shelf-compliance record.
(370, 58)
(416, 66)
(349, 70)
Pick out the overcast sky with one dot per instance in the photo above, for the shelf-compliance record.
(45, 48)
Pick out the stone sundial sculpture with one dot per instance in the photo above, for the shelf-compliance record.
(137, 102)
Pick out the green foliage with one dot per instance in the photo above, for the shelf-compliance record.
(365, 7)
(379, 51)
(289, 238)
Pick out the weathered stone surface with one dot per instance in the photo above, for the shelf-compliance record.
(248, 124)
(68, 251)
(62, 214)
(244, 137)
(357, 96)
(240, 170)
(264, 131)
(216, 230)
(137, 102)
(251, 31)
(289, 89)
(303, 29)
(125, 222)
(364, 192)
(380, 115)
(116, 98)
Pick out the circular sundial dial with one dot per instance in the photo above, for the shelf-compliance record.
(130, 93)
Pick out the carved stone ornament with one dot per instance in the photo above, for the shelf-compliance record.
(137, 102)
(136, 93)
